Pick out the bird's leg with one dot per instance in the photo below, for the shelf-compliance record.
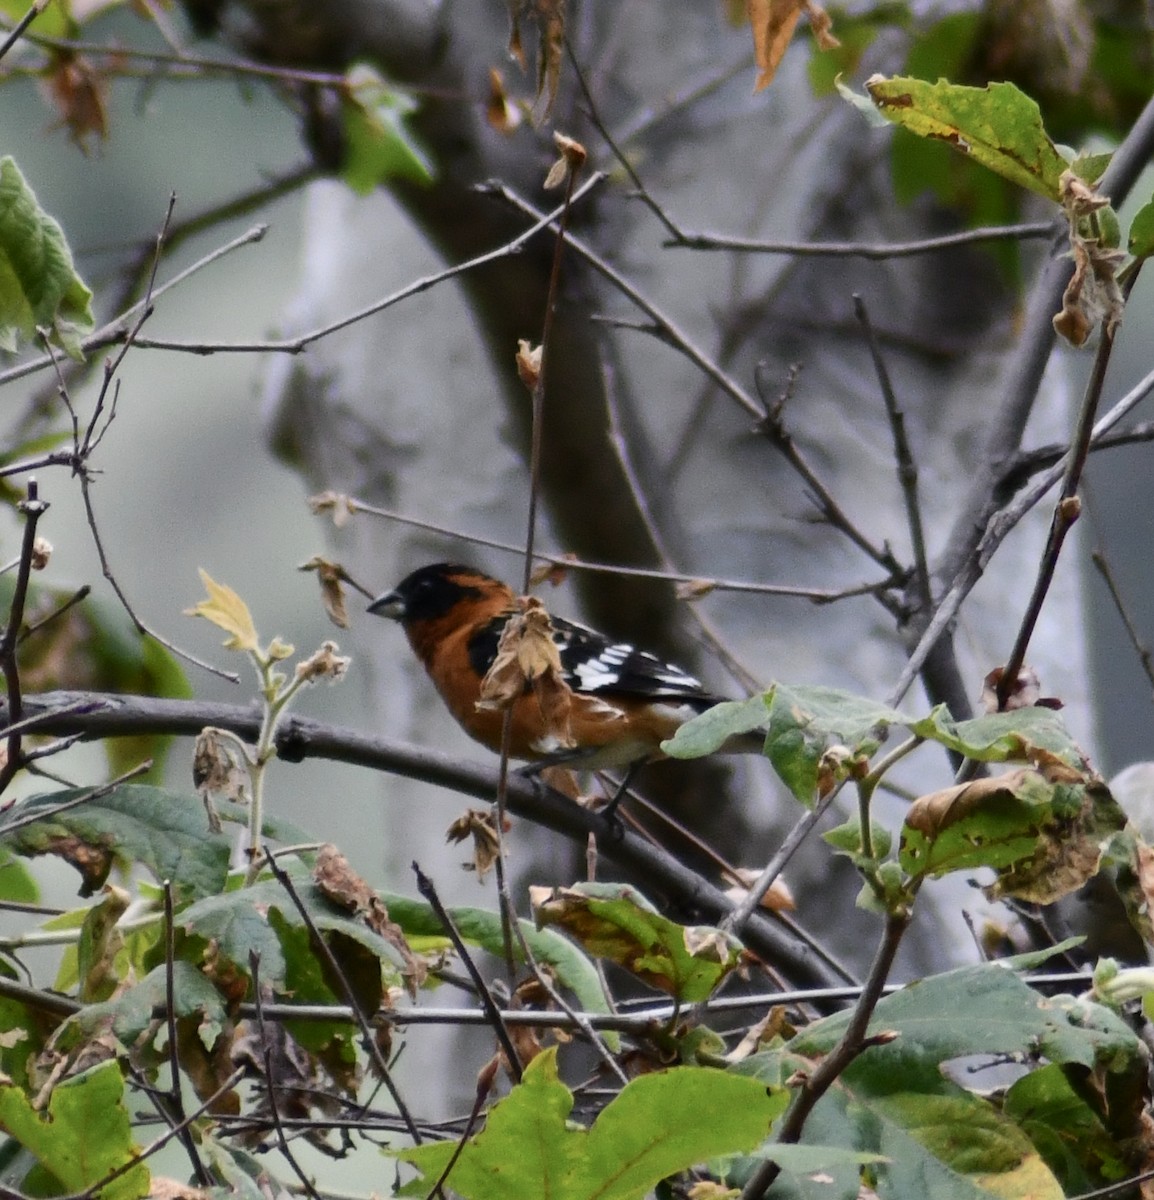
(609, 812)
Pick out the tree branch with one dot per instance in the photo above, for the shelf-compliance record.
(97, 715)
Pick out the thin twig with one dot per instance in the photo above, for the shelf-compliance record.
(173, 1102)
(872, 250)
(96, 793)
(850, 1045)
(906, 464)
(33, 508)
(1098, 558)
(736, 921)
(116, 331)
(1066, 510)
(979, 527)
(81, 593)
(113, 334)
(699, 584)
(324, 950)
(227, 210)
(995, 530)
(270, 1079)
(427, 889)
(192, 62)
(639, 1020)
(679, 340)
(18, 29)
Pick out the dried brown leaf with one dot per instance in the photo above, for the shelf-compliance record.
(324, 663)
(528, 660)
(695, 589)
(500, 111)
(549, 17)
(773, 23)
(332, 577)
(528, 364)
(216, 769)
(571, 160)
(480, 825)
(336, 879)
(554, 573)
(822, 24)
(341, 506)
(79, 94)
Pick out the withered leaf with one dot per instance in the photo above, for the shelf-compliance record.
(480, 825)
(500, 111)
(773, 23)
(549, 17)
(332, 577)
(528, 364)
(336, 879)
(79, 94)
(554, 573)
(341, 506)
(528, 660)
(571, 160)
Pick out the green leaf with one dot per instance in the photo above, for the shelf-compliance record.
(130, 1014)
(256, 918)
(55, 21)
(39, 286)
(1036, 735)
(16, 884)
(615, 921)
(658, 1125)
(817, 733)
(1044, 839)
(941, 1141)
(998, 125)
(84, 1134)
(164, 831)
(1141, 241)
(1066, 1129)
(479, 927)
(94, 646)
(985, 1009)
(710, 731)
(378, 146)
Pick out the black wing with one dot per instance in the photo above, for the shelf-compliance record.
(596, 665)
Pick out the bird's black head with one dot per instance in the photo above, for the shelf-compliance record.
(429, 592)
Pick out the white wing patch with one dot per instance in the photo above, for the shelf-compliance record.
(594, 664)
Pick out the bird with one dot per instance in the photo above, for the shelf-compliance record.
(619, 703)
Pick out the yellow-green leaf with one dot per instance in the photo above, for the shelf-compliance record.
(225, 609)
(998, 125)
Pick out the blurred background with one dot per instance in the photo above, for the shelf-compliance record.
(186, 471)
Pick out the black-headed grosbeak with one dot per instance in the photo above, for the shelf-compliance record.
(620, 702)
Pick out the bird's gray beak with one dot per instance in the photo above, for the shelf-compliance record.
(388, 604)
